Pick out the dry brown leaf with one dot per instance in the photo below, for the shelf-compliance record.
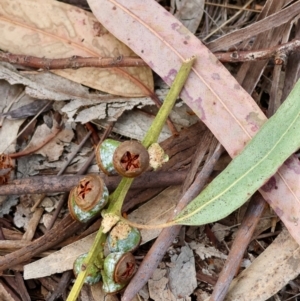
(59, 261)
(189, 12)
(56, 30)
(166, 202)
(54, 148)
(184, 265)
(159, 288)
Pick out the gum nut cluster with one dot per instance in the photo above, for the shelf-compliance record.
(119, 265)
(128, 159)
(88, 198)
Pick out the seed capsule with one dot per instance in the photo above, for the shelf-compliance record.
(109, 286)
(93, 274)
(104, 155)
(130, 159)
(120, 267)
(123, 238)
(88, 198)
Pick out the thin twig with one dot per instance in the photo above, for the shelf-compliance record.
(228, 21)
(65, 228)
(277, 53)
(52, 184)
(74, 62)
(233, 7)
(242, 239)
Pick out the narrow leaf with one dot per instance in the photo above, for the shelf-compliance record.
(56, 30)
(211, 92)
(278, 138)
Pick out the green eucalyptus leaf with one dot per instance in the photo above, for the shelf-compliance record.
(278, 138)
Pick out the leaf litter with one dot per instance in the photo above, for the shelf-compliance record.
(78, 104)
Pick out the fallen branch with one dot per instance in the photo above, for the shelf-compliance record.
(50, 184)
(76, 62)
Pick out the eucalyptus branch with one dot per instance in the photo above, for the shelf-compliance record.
(95, 255)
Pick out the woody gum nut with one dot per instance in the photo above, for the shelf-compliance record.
(109, 286)
(93, 273)
(88, 198)
(104, 155)
(130, 159)
(123, 238)
(120, 267)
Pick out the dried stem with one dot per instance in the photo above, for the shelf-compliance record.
(277, 53)
(74, 62)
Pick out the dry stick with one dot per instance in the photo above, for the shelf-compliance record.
(64, 229)
(64, 183)
(244, 235)
(33, 223)
(228, 21)
(61, 286)
(278, 53)
(166, 237)
(12, 245)
(9, 286)
(233, 7)
(73, 62)
(22, 290)
(76, 62)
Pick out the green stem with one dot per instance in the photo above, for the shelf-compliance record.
(95, 256)
(117, 198)
(167, 106)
